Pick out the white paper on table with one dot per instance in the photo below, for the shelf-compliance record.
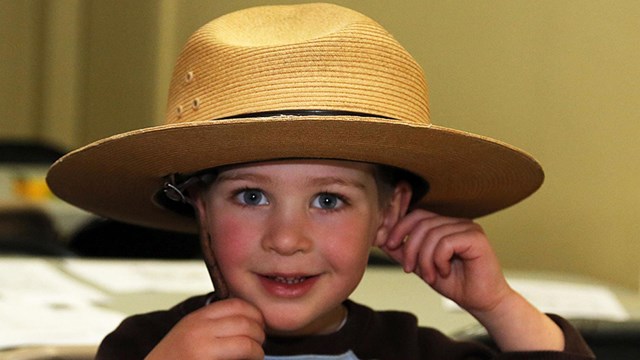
(36, 281)
(567, 299)
(24, 323)
(41, 305)
(122, 276)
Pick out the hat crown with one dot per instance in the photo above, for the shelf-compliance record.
(303, 57)
(322, 66)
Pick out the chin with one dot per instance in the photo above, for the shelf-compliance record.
(292, 321)
(285, 327)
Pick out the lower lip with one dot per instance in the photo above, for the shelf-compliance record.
(285, 290)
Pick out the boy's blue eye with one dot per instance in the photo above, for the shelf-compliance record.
(327, 201)
(252, 197)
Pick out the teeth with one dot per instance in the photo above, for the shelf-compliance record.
(289, 281)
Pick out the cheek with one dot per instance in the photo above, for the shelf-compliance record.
(230, 238)
(348, 241)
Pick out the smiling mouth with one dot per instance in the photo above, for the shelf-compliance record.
(289, 285)
(289, 280)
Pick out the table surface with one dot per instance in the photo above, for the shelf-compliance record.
(381, 288)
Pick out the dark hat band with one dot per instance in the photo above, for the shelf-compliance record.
(275, 113)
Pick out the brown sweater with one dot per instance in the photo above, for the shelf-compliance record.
(367, 333)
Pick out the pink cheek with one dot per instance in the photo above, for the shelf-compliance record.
(231, 238)
(344, 243)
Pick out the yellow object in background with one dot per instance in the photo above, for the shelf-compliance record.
(31, 188)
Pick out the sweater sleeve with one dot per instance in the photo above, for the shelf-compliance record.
(575, 347)
(439, 346)
(137, 335)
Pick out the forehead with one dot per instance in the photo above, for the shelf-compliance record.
(309, 166)
(307, 172)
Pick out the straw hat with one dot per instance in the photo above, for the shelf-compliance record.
(302, 81)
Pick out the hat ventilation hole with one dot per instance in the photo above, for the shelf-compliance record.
(188, 77)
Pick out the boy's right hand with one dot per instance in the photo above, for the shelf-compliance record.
(226, 329)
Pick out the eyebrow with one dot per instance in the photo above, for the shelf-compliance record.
(231, 176)
(334, 180)
(314, 181)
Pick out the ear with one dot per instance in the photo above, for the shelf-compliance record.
(196, 199)
(394, 211)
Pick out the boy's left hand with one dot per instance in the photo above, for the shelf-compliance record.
(453, 255)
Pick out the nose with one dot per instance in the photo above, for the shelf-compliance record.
(288, 232)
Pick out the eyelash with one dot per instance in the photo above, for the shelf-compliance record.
(237, 193)
(341, 199)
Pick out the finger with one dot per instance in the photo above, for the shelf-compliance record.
(232, 307)
(438, 229)
(399, 232)
(417, 243)
(233, 317)
(238, 325)
(408, 228)
(238, 347)
(229, 329)
(399, 235)
(457, 244)
(394, 254)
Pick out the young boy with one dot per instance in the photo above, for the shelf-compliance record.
(297, 137)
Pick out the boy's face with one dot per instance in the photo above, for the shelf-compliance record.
(293, 237)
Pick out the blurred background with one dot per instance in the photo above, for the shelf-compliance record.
(558, 78)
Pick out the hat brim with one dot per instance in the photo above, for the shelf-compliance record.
(117, 177)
